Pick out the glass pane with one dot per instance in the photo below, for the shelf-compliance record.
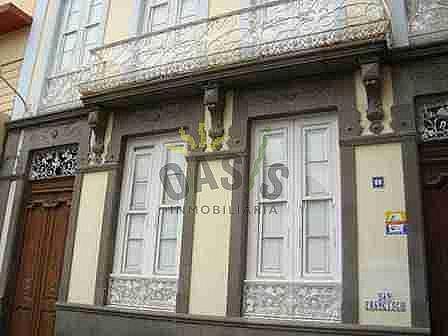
(176, 157)
(67, 60)
(271, 257)
(316, 145)
(76, 5)
(175, 193)
(139, 195)
(274, 220)
(275, 183)
(70, 42)
(96, 13)
(92, 36)
(73, 21)
(318, 218)
(136, 226)
(134, 256)
(141, 167)
(169, 221)
(317, 179)
(318, 259)
(188, 8)
(168, 255)
(275, 148)
(159, 17)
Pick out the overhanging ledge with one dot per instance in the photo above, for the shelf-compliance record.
(12, 18)
(338, 58)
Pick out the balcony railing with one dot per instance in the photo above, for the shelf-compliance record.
(251, 34)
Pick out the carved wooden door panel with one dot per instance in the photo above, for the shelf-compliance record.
(435, 194)
(42, 252)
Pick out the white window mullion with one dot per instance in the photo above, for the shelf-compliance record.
(170, 216)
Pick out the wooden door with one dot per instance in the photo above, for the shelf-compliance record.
(435, 195)
(41, 258)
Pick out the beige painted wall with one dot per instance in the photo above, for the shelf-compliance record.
(218, 7)
(119, 20)
(383, 261)
(87, 240)
(208, 295)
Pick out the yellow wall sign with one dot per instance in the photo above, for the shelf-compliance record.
(396, 223)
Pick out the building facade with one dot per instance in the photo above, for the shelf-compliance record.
(210, 167)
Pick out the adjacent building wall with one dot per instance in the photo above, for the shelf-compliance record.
(12, 49)
(87, 239)
(383, 260)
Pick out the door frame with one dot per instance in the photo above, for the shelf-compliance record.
(437, 153)
(17, 250)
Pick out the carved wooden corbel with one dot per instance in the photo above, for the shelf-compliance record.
(97, 121)
(214, 100)
(372, 79)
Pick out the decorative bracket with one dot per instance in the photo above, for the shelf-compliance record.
(372, 79)
(97, 121)
(214, 100)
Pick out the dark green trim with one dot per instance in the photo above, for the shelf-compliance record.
(108, 234)
(238, 241)
(377, 140)
(101, 168)
(416, 235)
(186, 254)
(43, 119)
(350, 301)
(72, 319)
(70, 240)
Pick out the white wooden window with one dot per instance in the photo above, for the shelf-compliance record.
(160, 14)
(81, 30)
(294, 234)
(150, 225)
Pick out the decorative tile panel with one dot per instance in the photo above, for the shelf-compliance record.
(292, 301)
(426, 16)
(433, 122)
(54, 162)
(143, 293)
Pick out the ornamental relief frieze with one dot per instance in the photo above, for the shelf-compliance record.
(427, 16)
(143, 293)
(265, 299)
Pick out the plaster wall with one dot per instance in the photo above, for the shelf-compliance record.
(87, 239)
(383, 260)
(208, 294)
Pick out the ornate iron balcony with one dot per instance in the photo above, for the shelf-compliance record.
(250, 34)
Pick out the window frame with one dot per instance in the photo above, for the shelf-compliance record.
(174, 20)
(151, 232)
(295, 242)
(81, 31)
